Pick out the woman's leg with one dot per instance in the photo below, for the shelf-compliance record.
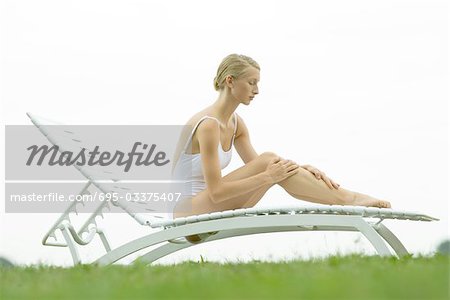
(201, 203)
(303, 186)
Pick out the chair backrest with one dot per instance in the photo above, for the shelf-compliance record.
(105, 180)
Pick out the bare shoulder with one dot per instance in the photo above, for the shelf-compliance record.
(196, 117)
(208, 126)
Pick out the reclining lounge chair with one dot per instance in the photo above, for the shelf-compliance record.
(213, 226)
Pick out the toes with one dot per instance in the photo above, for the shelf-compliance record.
(385, 204)
(382, 204)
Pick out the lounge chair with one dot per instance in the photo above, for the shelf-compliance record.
(212, 226)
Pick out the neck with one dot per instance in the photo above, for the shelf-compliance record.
(224, 107)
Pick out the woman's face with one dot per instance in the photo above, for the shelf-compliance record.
(245, 88)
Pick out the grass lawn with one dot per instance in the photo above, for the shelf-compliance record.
(347, 277)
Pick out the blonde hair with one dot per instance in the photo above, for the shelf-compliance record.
(234, 65)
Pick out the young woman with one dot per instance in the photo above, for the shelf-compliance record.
(208, 149)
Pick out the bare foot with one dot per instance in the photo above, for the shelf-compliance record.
(365, 200)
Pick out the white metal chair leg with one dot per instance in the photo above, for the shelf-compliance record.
(374, 238)
(104, 240)
(162, 251)
(391, 239)
(64, 217)
(71, 244)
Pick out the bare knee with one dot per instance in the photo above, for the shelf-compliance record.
(266, 157)
(263, 160)
(268, 154)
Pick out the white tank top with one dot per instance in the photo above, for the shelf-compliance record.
(189, 166)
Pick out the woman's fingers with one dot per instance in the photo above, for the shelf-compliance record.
(286, 162)
(336, 186)
(280, 169)
(327, 181)
(276, 160)
(291, 168)
(331, 184)
(317, 173)
(321, 176)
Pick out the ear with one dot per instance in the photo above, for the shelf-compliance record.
(229, 80)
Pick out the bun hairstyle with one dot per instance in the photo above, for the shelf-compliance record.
(234, 65)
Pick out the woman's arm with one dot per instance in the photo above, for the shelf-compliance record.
(208, 134)
(242, 142)
(247, 152)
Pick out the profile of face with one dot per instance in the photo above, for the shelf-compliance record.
(244, 88)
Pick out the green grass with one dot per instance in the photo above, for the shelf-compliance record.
(348, 277)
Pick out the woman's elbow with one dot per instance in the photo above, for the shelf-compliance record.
(216, 196)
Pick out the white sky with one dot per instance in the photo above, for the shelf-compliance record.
(358, 89)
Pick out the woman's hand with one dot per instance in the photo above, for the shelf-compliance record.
(321, 176)
(280, 169)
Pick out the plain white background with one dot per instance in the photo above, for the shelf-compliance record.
(358, 89)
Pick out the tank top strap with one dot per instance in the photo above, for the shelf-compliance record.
(193, 130)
